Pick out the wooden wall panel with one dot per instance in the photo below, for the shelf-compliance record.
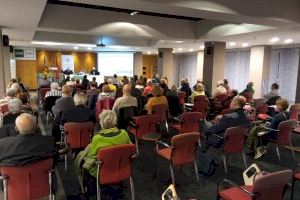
(150, 63)
(27, 72)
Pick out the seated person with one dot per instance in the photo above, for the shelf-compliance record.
(139, 85)
(93, 81)
(93, 89)
(112, 87)
(199, 90)
(64, 103)
(225, 81)
(185, 87)
(105, 93)
(258, 144)
(125, 101)
(14, 110)
(45, 83)
(54, 90)
(235, 118)
(249, 89)
(157, 98)
(10, 94)
(148, 88)
(79, 113)
(94, 71)
(173, 101)
(164, 86)
(68, 71)
(109, 135)
(273, 93)
(27, 147)
(220, 89)
(85, 83)
(72, 82)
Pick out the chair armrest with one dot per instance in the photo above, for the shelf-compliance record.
(3, 177)
(98, 162)
(163, 144)
(132, 124)
(235, 185)
(271, 129)
(218, 136)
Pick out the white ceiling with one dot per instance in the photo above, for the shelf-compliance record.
(240, 21)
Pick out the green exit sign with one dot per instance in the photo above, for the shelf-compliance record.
(19, 53)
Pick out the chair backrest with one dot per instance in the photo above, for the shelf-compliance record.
(295, 111)
(272, 100)
(160, 110)
(261, 109)
(284, 136)
(184, 148)
(4, 108)
(234, 138)
(221, 97)
(125, 116)
(146, 124)
(29, 181)
(102, 104)
(43, 92)
(115, 163)
(190, 122)
(248, 96)
(201, 104)
(78, 134)
(271, 186)
(181, 96)
(50, 102)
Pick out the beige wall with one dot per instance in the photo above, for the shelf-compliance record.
(200, 60)
(138, 63)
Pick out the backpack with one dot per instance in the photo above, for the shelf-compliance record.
(206, 164)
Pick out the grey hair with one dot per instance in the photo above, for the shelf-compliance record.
(108, 119)
(26, 124)
(80, 99)
(15, 105)
(54, 86)
(109, 81)
(15, 86)
(11, 92)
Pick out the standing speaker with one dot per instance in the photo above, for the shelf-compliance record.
(5, 40)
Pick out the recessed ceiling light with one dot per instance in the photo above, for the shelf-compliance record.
(191, 50)
(75, 47)
(232, 44)
(179, 41)
(245, 45)
(274, 39)
(202, 47)
(134, 13)
(173, 51)
(149, 52)
(289, 40)
(180, 49)
(89, 48)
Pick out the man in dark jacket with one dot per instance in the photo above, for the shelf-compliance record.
(64, 103)
(235, 118)
(26, 147)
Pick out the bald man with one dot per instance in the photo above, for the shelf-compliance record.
(126, 100)
(27, 147)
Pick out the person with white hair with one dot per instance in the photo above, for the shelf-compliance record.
(109, 135)
(28, 146)
(14, 110)
(10, 94)
(220, 89)
(148, 88)
(80, 112)
(54, 90)
(126, 100)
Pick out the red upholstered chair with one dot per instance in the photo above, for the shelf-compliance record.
(43, 92)
(261, 111)
(219, 102)
(28, 182)
(295, 114)
(115, 166)
(234, 138)
(4, 108)
(160, 110)
(77, 135)
(103, 104)
(189, 122)
(284, 136)
(249, 97)
(145, 128)
(181, 152)
(181, 96)
(201, 104)
(265, 187)
(296, 177)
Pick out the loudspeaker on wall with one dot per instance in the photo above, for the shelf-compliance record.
(5, 40)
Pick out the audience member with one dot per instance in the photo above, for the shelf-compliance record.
(148, 88)
(125, 80)
(10, 94)
(139, 85)
(85, 83)
(173, 101)
(164, 86)
(111, 86)
(236, 117)
(258, 144)
(27, 147)
(45, 83)
(54, 90)
(102, 84)
(94, 81)
(125, 101)
(273, 93)
(220, 89)
(64, 103)
(199, 91)
(105, 93)
(249, 89)
(157, 98)
(93, 89)
(64, 80)
(155, 79)
(225, 81)
(79, 113)
(115, 79)
(185, 87)
(72, 82)
(14, 110)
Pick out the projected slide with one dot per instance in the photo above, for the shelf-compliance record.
(110, 63)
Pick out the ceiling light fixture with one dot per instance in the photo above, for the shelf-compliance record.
(245, 45)
(76, 48)
(134, 13)
(202, 47)
(179, 41)
(274, 39)
(191, 50)
(149, 52)
(180, 49)
(232, 44)
(288, 41)
(47, 43)
(89, 48)
(173, 51)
